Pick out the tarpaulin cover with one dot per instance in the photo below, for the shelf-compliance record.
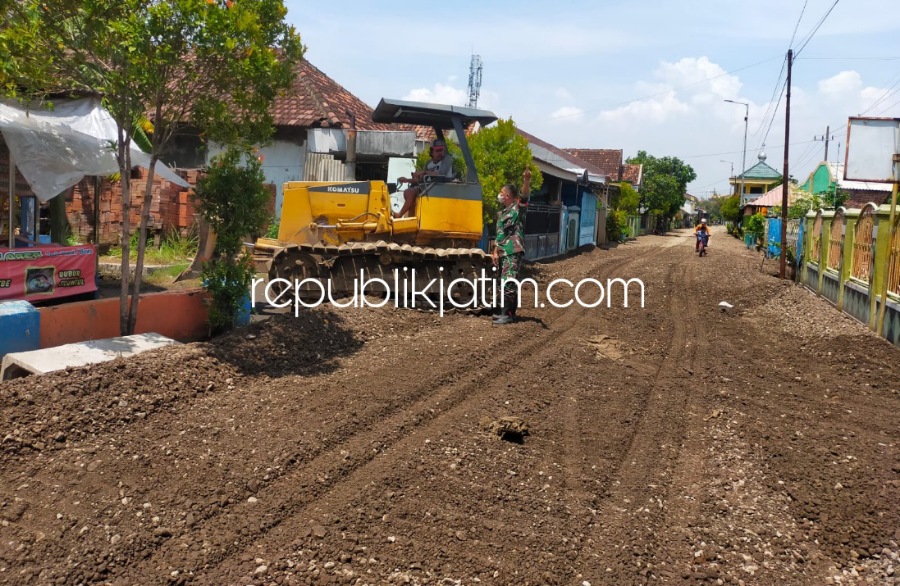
(54, 149)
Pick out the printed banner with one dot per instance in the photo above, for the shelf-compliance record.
(46, 272)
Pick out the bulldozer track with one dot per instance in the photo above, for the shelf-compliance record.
(380, 268)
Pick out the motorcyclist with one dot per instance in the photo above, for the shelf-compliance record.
(701, 231)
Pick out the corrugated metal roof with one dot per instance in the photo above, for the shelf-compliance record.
(774, 196)
(837, 175)
(760, 171)
(560, 159)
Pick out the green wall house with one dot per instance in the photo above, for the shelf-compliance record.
(828, 177)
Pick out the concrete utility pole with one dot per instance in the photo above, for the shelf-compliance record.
(827, 139)
(785, 182)
(732, 167)
(744, 156)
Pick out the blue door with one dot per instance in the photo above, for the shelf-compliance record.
(588, 228)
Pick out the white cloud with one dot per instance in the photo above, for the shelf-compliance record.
(439, 94)
(568, 114)
(844, 83)
(699, 77)
(656, 109)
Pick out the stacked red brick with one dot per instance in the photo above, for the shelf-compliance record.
(171, 209)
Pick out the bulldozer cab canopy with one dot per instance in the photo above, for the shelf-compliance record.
(439, 116)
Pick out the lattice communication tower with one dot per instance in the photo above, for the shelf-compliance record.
(474, 81)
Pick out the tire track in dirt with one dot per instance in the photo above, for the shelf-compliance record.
(530, 354)
(571, 421)
(408, 416)
(158, 430)
(619, 548)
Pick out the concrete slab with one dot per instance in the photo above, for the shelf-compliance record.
(46, 360)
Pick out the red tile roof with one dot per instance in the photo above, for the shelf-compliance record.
(317, 101)
(569, 157)
(632, 173)
(608, 160)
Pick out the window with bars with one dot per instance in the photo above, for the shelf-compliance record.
(836, 245)
(893, 284)
(816, 240)
(863, 245)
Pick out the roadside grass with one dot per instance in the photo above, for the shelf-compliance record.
(167, 275)
(174, 249)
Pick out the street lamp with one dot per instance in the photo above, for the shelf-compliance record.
(744, 157)
(732, 167)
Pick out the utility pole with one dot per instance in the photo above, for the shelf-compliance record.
(785, 183)
(827, 138)
(744, 156)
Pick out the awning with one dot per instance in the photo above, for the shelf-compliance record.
(774, 197)
(55, 149)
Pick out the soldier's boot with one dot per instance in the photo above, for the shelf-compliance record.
(505, 317)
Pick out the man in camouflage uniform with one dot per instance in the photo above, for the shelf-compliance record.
(510, 247)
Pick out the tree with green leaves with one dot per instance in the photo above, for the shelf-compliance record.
(713, 206)
(215, 65)
(731, 209)
(624, 203)
(501, 156)
(232, 198)
(665, 184)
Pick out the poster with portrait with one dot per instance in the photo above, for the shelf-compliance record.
(39, 280)
(47, 272)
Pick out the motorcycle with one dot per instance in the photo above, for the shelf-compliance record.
(702, 243)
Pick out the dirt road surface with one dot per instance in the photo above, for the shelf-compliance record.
(678, 443)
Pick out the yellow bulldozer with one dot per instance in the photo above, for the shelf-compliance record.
(336, 235)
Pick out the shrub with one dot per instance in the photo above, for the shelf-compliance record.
(756, 225)
(232, 198)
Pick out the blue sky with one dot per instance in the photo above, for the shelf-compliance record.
(650, 75)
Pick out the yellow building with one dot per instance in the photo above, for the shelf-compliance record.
(756, 181)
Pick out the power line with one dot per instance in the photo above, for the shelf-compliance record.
(772, 99)
(796, 26)
(802, 142)
(843, 122)
(888, 92)
(662, 93)
(850, 59)
(811, 34)
(885, 110)
(774, 112)
(806, 156)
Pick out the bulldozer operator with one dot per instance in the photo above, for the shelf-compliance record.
(440, 165)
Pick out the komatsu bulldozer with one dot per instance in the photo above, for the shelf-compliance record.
(339, 234)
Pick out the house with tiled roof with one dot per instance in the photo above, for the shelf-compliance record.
(610, 161)
(633, 174)
(564, 214)
(755, 181)
(312, 122)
